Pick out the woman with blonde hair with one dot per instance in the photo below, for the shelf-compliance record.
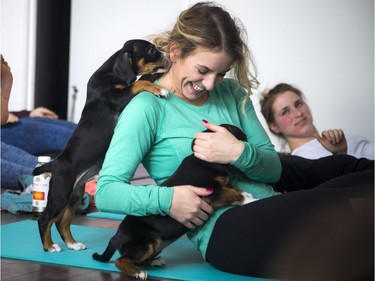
(204, 45)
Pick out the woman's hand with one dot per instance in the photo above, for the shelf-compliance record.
(43, 112)
(334, 141)
(219, 146)
(13, 118)
(188, 207)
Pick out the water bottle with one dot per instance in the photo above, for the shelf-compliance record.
(41, 187)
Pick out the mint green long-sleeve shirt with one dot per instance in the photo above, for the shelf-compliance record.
(158, 132)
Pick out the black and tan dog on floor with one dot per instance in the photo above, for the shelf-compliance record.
(140, 240)
(109, 90)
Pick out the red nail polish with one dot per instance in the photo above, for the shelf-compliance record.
(210, 190)
(204, 121)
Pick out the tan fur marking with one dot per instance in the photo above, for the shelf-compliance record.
(120, 86)
(150, 254)
(144, 68)
(126, 265)
(223, 181)
(63, 226)
(143, 85)
(47, 244)
(228, 196)
(65, 221)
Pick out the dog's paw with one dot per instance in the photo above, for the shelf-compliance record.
(141, 274)
(55, 248)
(163, 93)
(248, 198)
(77, 246)
(158, 262)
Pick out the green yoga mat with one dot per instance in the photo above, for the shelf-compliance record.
(21, 241)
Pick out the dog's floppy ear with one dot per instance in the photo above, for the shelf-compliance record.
(123, 68)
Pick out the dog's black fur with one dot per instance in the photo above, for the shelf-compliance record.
(109, 90)
(140, 239)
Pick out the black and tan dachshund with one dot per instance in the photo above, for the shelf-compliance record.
(109, 90)
(140, 240)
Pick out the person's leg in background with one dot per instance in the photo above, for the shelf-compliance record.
(14, 163)
(301, 173)
(38, 136)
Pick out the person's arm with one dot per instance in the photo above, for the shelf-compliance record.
(259, 159)
(14, 116)
(360, 147)
(336, 142)
(43, 112)
(132, 139)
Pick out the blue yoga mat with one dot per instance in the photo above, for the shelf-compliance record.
(21, 241)
(105, 215)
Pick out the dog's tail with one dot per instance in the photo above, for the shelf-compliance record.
(46, 168)
(107, 254)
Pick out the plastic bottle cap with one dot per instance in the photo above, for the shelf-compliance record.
(44, 159)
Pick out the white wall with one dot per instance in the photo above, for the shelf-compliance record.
(101, 30)
(326, 47)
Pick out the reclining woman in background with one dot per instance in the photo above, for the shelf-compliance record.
(289, 117)
(27, 134)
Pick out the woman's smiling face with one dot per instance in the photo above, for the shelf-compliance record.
(192, 77)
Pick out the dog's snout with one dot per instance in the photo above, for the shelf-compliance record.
(165, 64)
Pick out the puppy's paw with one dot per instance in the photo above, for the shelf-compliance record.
(248, 198)
(163, 93)
(158, 262)
(77, 246)
(141, 274)
(55, 248)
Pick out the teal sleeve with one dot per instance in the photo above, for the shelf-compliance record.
(259, 160)
(133, 137)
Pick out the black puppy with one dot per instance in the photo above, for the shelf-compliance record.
(140, 239)
(109, 90)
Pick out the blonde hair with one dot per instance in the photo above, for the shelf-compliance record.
(207, 25)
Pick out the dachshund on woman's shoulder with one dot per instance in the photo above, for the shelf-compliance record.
(109, 90)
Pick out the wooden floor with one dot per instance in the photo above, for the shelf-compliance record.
(18, 270)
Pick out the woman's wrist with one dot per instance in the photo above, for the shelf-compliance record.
(238, 150)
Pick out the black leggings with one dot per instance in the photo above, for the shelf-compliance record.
(251, 239)
(301, 173)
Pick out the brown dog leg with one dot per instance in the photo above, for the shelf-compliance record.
(144, 85)
(228, 196)
(126, 265)
(48, 245)
(63, 226)
(65, 221)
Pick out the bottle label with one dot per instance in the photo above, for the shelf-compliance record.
(40, 191)
(38, 195)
